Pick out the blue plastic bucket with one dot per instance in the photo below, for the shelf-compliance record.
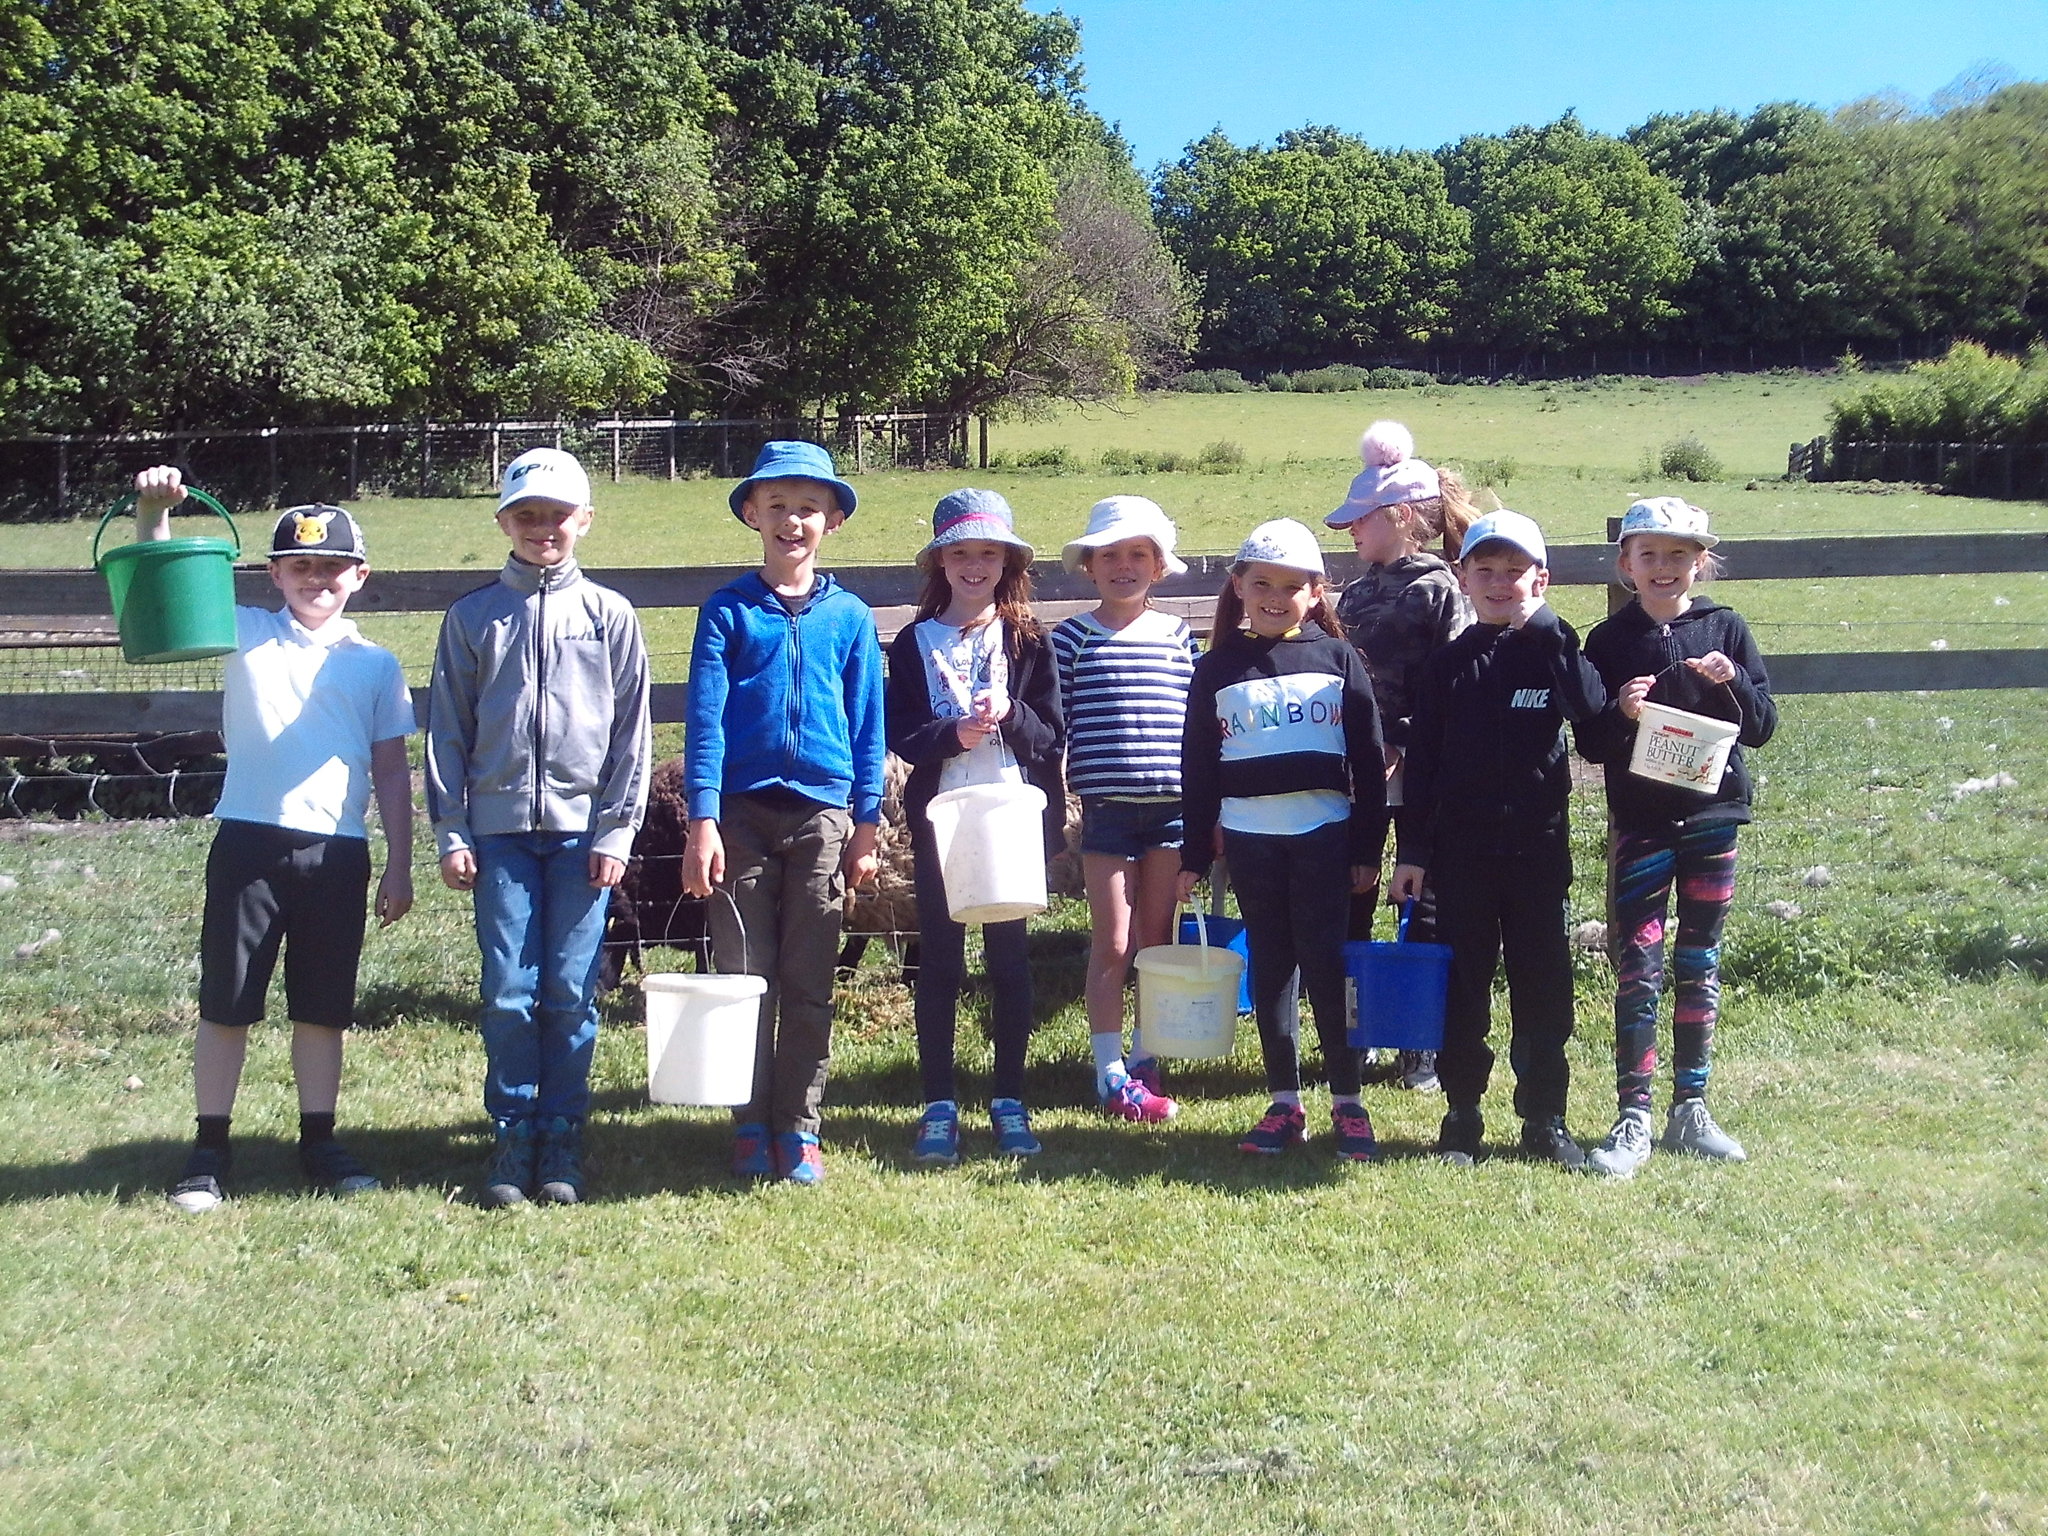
(1395, 991)
(1225, 933)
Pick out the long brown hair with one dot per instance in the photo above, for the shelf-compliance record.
(1443, 517)
(1230, 609)
(1013, 598)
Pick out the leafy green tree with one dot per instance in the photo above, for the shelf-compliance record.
(893, 163)
(1574, 238)
(1320, 247)
(1782, 222)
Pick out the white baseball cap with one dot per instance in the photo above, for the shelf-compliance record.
(1508, 528)
(1116, 518)
(1668, 514)
(544, 474)
(1283, 541)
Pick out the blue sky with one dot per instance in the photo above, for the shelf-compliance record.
(1422, 73)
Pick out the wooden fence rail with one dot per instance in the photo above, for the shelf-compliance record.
(57, 593)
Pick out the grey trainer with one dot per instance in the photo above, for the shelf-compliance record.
(1691, 1129)
(1626, 1148)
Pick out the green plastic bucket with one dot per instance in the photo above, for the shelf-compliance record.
(174, 599)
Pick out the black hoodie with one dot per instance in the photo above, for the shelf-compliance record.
(1488, 773)
(1632, 644)
(1272, 700)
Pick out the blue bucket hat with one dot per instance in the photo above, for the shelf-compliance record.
(794, 460)
(971, 514)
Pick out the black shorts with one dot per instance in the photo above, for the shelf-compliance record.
(267, 886)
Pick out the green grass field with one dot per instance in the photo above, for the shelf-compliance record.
(1139, 1331)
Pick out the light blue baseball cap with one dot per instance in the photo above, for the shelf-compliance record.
(1509, 528)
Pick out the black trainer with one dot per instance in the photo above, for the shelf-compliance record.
(1462, 1135)
(558, 1172)
(199, 1186)
(334, 1170)
(1550, 1141)
(509, 1177)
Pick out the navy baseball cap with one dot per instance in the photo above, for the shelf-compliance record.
(318, 530)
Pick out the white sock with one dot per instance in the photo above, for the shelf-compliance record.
(1356, 1100)
(1108, 1047)
(1289, 1096)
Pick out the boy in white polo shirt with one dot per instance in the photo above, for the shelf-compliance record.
(315, 719)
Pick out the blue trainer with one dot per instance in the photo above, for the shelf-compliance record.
(1012, 1124)
(798, 1159)
(750, 1159)
(938, 1136)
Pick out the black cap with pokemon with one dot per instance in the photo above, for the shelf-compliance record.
(317, 530)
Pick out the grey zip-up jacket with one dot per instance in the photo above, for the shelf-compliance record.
(538, 717)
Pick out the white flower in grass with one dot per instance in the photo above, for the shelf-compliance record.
(2001, 602)
(1944, 724)
(1870, 722)
(1937, 645)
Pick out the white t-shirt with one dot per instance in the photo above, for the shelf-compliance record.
(299, 710)
(961, 665)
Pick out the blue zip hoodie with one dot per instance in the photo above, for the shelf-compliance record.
(782, 700)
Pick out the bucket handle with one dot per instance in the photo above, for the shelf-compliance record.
(1201, 933)
(1401, 928)
(127, 503)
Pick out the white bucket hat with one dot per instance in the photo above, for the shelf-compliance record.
(1668, 514)
(1116, 518)
(545, 474)
(1283, 541)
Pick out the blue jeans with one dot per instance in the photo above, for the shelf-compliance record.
(539, 922)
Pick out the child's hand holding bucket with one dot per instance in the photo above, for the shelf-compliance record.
(1714, 667)
(157, 489)
(1632, 694)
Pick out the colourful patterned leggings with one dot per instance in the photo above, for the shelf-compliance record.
(1702, 865)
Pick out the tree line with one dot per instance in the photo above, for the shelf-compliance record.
(1698, 229)
(322, 211)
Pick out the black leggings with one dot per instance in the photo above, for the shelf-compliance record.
(1292, 892)
(942, 967)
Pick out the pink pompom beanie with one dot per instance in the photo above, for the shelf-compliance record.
(1392, 475)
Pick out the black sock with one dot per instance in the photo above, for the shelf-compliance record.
(316, 1127)
(213, 1131)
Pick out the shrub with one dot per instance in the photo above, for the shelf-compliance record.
(1336, 379)
(1146, 461)
(1687, 458)
(1494, 472)
(1211, 381)
(1969, 395)
(1222, 457)
(1398, 378)
(1279, 383)
(1060, 460)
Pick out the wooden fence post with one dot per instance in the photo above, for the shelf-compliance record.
(1618, 596)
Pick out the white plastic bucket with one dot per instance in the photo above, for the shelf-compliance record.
(1676, 747)
(700, 1037)
(1187, 997)
(991, 842)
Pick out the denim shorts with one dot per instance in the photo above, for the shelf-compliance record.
(1128, 829)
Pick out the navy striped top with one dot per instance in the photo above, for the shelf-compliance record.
(1124, 695)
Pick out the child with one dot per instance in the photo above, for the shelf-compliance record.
(973, 699)
(1124, 670)
(1670, 646)
(315, 720)
(1485, 814)
(782, 767)
(1403, 608)
(536, 769)
(1283, 774)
